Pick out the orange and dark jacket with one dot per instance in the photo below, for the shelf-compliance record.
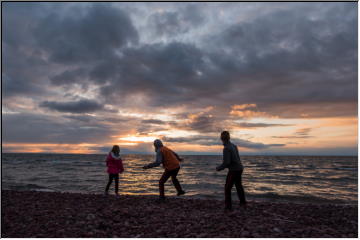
(170, 161)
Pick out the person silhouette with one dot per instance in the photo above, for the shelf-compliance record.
(114, 167)
(171, 163)
(231, 160)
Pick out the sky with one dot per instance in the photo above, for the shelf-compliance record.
(81, 77)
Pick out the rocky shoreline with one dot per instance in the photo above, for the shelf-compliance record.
(52, 214)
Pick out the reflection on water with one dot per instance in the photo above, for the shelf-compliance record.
(271, 177)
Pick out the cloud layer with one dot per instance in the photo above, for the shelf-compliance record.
(86, 62)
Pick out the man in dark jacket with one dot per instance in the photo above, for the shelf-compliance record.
(231, 160)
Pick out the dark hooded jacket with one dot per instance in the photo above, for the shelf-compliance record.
(231, 158)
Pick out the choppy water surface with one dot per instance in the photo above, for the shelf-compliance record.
(288, 178)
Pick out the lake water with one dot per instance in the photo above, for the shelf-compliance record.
(319, 179)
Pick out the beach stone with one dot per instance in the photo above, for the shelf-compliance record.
(201, 235)
(256, 235)
(245, 233)
(90, 217)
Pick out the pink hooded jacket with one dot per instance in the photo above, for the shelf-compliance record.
(114, 165)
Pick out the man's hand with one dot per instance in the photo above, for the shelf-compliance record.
(145, 167)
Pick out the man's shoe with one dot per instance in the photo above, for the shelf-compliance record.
(181, 193)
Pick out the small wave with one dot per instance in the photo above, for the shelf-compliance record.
(27, 186)
(342, 179)
(345, 168)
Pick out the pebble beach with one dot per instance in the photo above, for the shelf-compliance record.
(28, 214)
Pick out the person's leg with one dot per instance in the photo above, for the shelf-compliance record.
(162, 181)
(228, 186)
(175, 181)
(116, 176)
(239, 188)
(108, 184)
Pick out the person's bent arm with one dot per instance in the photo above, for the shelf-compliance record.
(226, 160)
(158, 161)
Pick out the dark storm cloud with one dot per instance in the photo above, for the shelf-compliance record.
(22, 73)
(170, 24)
(19, 20)
(167, 23)
(291, 56)
(34, 128)
(39, 36)
(81, 106)
(283, 57)
(25, 68)
(69, 76)
(90, 35)
(294, 54)
(169, 73)
(211, 141)
(194, 13)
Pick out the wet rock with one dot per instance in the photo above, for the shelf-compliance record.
(245, 234)
(90, 217)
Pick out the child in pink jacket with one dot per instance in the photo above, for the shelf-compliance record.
(114, 167)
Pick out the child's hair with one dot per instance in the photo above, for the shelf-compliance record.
(115, 149)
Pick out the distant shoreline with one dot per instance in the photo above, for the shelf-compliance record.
(44, 214)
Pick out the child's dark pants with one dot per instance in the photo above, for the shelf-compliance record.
(111, 177)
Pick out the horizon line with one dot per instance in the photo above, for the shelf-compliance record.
(191, 154)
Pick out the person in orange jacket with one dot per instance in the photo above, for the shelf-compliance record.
(171, 163)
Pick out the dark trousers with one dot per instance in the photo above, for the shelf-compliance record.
(165, 177)
(234, 177)
(111, 177)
